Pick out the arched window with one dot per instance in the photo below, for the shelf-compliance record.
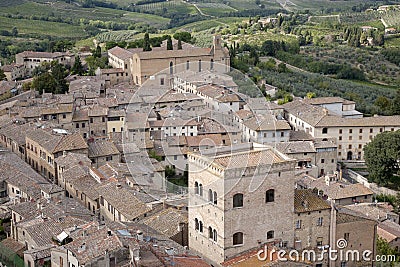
(238, 200)
(238, 238)
(196, 224)
(212, 64)
(270, 195)
(215, 235)
(200, 65)
(210, 195)
(171, 67)
(200, 189)
(270, 234)
(215, 198)
(187, 65)
(200, 226)
(210, 232)
(196, 188)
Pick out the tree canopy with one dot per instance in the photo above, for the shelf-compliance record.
(2, 75)
(382, 156)
(50, 78)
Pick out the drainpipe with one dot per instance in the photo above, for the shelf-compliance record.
(332, 232)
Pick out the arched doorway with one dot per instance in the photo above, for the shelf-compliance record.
(349, 155)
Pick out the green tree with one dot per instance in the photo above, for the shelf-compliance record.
(44, 82)
(383, 103)
(184, 37)
(146, 42)
(14, 31)
(381, 156)
(2, 75)
(169, 172)
(311, 95)
(282, 67)
(97, 52)
(77, 68)
(384, 248)
(169, 43)
(94, 63)
(179, 44)
(59, 73)
(395, 107)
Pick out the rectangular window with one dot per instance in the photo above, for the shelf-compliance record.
(340, 131)
(350, 130)
(298, 224)
(319, 221)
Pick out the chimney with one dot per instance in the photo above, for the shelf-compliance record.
(82, 247)
(64, 153)
(327, 180)
(326, 112)
(139, 235)
(118, 186)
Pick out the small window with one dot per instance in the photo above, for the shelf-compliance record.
(196, 188)
(215, 235)
(270, 234)
(270, 196)
(319, 221)
(298, 224)
(350, 130)
(340, 131)
(196, 224)
(361, 130)
(210, 232)
(322, 160)
(324, 130)
(210, 195)
(215, 201)
(162, 81)
(238, 200)
(238, 238)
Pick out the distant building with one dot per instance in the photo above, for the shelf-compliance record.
(144, 64)
(31, 59)
(352, 133)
